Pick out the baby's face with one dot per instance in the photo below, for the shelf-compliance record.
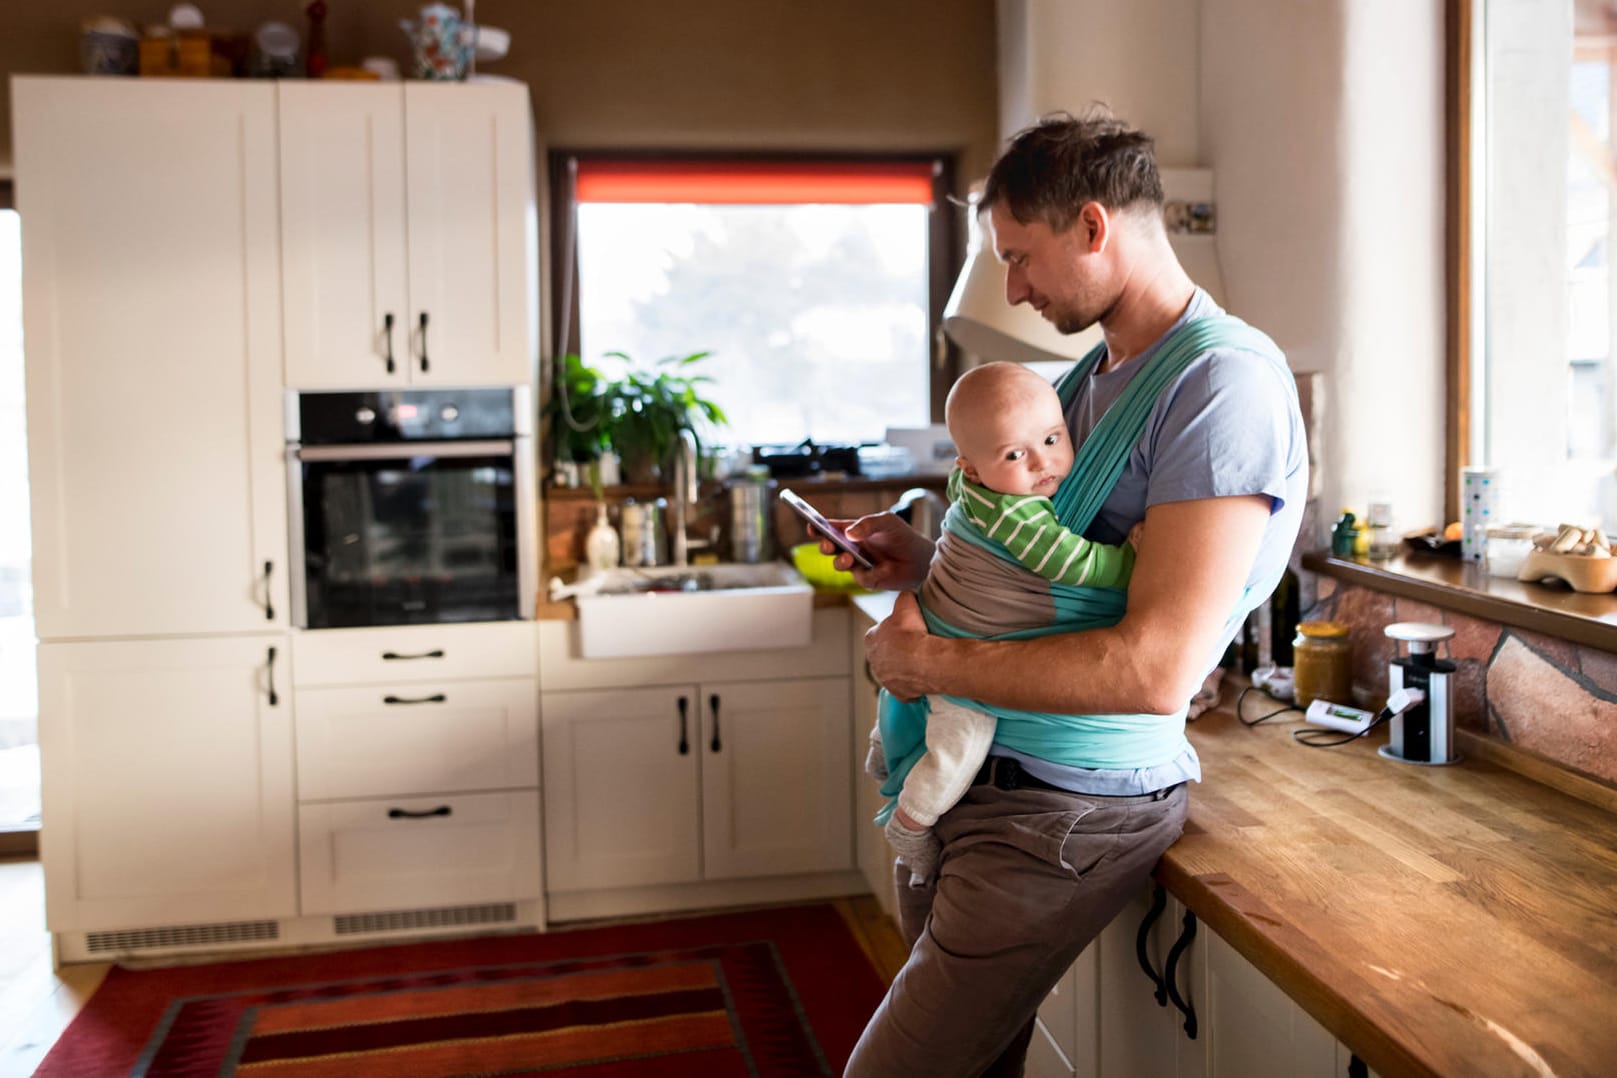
(1023, 450)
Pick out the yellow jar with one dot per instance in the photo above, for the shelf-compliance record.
(1323, 663)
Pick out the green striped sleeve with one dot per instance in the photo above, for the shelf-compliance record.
(1027, 525)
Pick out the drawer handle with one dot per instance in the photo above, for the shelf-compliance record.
(274, 700)
(387, 328)
(435, 698)
(437, 653)
(423, 342)
(713, 702)
(684, 742)
(1159, 900)
(406, 814)
(269, 606)
(1169, 975)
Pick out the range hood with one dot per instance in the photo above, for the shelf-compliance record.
(978, 319)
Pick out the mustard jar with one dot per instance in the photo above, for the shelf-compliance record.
(1323, 663)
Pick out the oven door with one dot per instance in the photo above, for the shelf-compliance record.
(405, 534)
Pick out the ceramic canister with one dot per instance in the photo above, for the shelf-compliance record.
(1479, 509)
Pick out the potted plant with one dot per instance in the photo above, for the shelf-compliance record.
(648, 409)
(579, 410)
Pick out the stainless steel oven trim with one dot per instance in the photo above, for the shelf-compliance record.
(407, 450)
(527, 496)
(295, 539)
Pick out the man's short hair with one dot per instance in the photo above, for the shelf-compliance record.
(1051, 169)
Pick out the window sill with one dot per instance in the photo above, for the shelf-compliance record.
(836, 484)
(1590, 620)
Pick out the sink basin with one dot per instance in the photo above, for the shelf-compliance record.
(675, 611)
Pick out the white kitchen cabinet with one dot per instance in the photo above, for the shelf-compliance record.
(167, 782)
(152, 308)
(408, 231)
(696, 782)
(418, 767)
(1255, 1029)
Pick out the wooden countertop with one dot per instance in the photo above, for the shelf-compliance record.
(1456, 920)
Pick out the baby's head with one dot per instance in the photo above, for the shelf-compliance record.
(1008, 428)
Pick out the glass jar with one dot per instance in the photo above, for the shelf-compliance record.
(1323, 663)
(1508, 547)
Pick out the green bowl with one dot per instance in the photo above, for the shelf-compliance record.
(818, 570)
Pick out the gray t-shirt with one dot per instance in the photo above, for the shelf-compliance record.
(1228, 425)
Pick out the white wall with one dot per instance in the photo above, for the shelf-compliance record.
(1323, 125)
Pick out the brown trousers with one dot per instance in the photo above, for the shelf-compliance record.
(1027, 879)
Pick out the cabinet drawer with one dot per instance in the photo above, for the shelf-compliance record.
(415, 653)
(417, 737)
(401, 853)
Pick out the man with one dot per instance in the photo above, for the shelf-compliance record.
(1042, 852)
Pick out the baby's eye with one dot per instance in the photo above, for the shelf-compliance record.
(1052, 439)
(1016, 454)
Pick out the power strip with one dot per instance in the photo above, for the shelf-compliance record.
(1339, 717)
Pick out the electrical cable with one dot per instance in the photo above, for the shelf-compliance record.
(1267, 716)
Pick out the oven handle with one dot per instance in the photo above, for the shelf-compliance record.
(405, 450)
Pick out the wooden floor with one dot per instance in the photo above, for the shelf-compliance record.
(37, 1002)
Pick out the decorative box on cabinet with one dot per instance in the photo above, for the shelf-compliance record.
(418, 776)
(407, 225)
(711, 781)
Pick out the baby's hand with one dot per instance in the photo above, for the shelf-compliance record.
(1135, 533)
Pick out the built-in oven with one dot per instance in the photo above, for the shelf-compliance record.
(412, 506)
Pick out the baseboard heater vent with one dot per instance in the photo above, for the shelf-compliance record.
(138, 939)
(446, 917)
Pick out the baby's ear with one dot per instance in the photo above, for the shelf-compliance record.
(965, 466)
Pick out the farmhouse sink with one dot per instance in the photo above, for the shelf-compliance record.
(672, 611)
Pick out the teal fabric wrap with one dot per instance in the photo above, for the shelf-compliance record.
(1088, 741)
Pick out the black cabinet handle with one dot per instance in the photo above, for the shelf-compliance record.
(274, 700)
(1159, 902)
(269, 608)
(435, 698)
(423, 342)
(1356, 1067)
(406, 814)
(1168, 974)
(392, 655)
(387, 326)
(713, 703)
(684, 742)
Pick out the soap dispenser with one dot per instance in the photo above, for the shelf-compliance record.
(601, 545)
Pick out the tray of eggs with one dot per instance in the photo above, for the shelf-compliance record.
(1580, 557)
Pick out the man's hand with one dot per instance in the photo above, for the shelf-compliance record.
(895, 648)
(900, 553)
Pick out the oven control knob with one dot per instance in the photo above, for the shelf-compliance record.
(365, 415)
(449, 413)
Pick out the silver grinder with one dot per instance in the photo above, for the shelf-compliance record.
(1424, 732)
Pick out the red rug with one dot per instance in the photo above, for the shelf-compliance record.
(771, 992)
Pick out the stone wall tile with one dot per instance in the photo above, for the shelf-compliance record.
(1549, 713)
(1599, 667)
(1470, 695)
(1406, 609)
(1562, 653)
(1474, 638)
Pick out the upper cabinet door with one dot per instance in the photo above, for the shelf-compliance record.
(472, 233)
(343, 235)
(152, 308)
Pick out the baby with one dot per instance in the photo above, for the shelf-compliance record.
(1013, 452)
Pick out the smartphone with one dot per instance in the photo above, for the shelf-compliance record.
(817, 521)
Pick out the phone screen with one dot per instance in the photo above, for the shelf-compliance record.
(817, 521)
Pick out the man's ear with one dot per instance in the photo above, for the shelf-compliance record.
(965, 466)
(1096, 222)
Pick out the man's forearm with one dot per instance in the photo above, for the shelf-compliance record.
(1087, 673)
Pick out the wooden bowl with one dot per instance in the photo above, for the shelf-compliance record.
(1582, 573)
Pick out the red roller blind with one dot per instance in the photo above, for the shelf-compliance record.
(754, 183)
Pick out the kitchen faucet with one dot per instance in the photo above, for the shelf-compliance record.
(685, 493)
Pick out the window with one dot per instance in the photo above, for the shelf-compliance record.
(19, 697)
(814, 285)
(1542, 379)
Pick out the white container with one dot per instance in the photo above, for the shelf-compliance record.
(1508, 547)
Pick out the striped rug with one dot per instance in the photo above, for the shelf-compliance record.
(778, 992)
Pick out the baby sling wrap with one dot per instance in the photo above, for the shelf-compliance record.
(1085, 741)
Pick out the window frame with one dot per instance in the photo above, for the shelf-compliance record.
(1458, 75)
(945, 242)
